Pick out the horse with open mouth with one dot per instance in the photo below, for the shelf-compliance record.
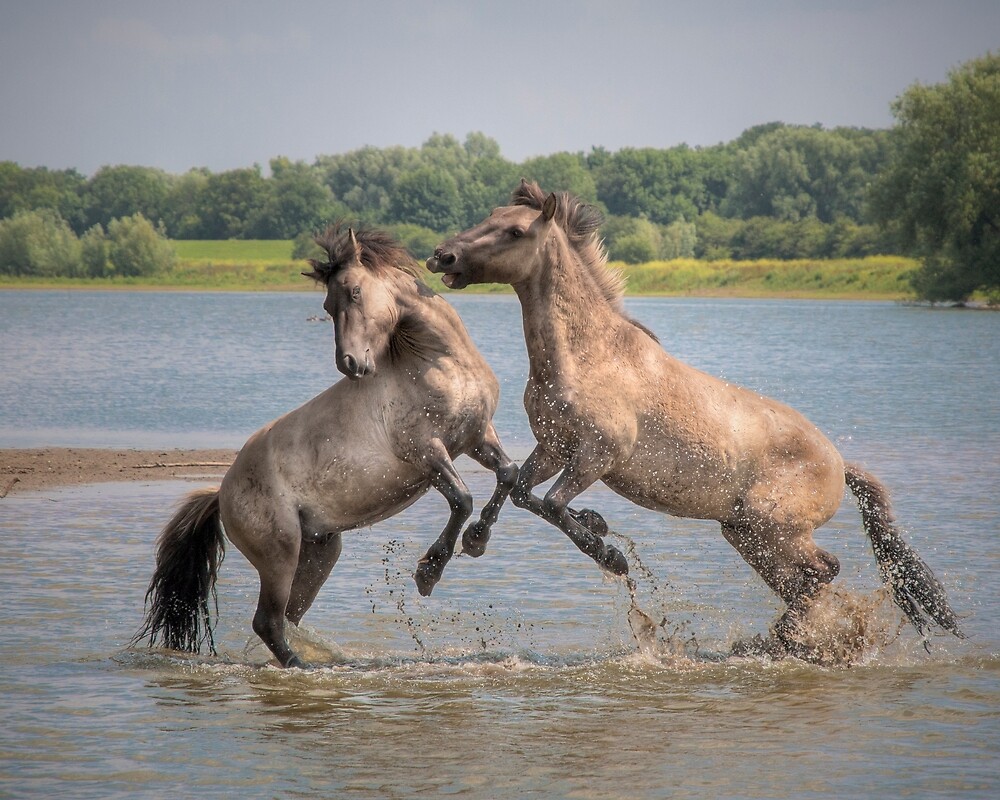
(417, 395)
(607, 403)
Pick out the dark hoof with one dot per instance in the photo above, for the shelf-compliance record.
(475, 538)
(613, 561)
(297, 663)
(426, 577)
(591, 520)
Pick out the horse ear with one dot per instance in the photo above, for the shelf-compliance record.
(354, 244)
(549, 207)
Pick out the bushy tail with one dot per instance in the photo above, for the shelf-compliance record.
(188, 554)
(914, 588)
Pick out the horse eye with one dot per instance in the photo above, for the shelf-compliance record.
(356, 292)
(516, 233)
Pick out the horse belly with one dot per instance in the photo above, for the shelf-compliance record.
(354, 494)
(696, 493)
(328, 483)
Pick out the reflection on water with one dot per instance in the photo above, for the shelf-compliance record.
(520, 675)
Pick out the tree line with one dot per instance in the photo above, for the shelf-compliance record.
(928, 186)
(803, 180)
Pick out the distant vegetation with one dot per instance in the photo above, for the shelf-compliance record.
(267, 265)
(929, 187)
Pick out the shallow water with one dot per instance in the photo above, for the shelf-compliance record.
(520, 676)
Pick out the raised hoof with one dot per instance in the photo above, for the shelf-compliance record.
(426, 577)
(613, 561)
(474, 539)
(591, 520)
(297, 663)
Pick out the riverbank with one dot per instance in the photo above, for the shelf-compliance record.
(873, 278)
(27, 470)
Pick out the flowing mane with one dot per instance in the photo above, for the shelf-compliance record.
(581, 223)
(379, 252)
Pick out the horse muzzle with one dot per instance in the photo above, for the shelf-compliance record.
(355, 368)
(445, 263)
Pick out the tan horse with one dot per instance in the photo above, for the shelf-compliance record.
(606, 403)
(418, 394)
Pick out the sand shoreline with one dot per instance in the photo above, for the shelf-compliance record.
(25, 470)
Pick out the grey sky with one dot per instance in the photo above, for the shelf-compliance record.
(225, 84)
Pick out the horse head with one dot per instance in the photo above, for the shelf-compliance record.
(503, 248)
(357, 298)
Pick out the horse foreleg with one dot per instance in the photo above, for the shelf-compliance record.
(445, 479)
(584, 528)
(490, 454)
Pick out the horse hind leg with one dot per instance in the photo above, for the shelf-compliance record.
(273, 551)
(317, 557)
(792, 565)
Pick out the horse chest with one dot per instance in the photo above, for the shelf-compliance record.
(449, 405)
(559, 418)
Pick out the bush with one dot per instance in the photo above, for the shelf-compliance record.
(94, 253)
(38, 243)
(136, 248)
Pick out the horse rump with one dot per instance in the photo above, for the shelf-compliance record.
(189, 551)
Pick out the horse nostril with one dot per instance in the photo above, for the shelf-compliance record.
(351, 365)
(447, 259)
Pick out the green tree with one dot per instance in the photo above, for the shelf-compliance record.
(794, 172)
(297, 200)
(940, 193)
(121, 191)
(184, 203)
(38, 187)
(715, 236)
(38, 243)
(364, 179)
(427, 197)
(561, 172)
(231, 204)
(662, 185)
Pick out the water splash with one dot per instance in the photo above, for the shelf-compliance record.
(676, 641)
(844, 627)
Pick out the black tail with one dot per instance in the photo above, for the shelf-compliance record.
(188, 554)
(914, 588)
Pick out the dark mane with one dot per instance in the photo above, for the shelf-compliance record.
(379, 252)
(581, 222)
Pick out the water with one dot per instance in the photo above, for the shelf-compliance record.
(520, 675)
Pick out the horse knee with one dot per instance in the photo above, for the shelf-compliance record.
(507, 475)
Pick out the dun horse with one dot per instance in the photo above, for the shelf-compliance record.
(417, 395)
(607, 403)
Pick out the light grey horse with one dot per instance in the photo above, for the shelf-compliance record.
(417, 395)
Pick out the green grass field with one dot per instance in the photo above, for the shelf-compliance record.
(257, 265)
(233, 250)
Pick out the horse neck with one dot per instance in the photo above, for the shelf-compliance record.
(566, 315)
(426, 330)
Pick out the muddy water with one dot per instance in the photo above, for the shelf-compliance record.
(521, 675)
